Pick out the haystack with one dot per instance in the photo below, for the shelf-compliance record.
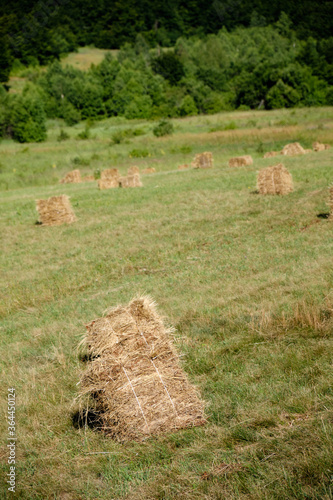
(203, 160)
(270, 154)
(130, 181)
(73, 176)
(133, 170)
(183, 167)
(88, 178)
(293, 149)
(307, 151)
(109, 178)
(150, 170)
(275, 180)
(55, 211)
(240, 161)
(318, 146)
(135, 379)
(330, 203)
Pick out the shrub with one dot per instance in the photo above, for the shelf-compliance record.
(139, 153)
(63, 136)
(188, 107)
(164, 127)
(27, 118)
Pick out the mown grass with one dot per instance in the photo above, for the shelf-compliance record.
(245, 279)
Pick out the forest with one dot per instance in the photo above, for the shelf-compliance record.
(174, 60)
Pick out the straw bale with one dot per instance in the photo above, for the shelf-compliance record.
(203, 160)
(270, 154)
(240, 161)
(113, 182)
(88, 178)
(73, 176)
(182, 167)
(134, 377)
(55, 211)
(318, 146)
(150, 170)
(133, 170)
(293, 149)
(275, 180)
(130, 181)
(110, 173)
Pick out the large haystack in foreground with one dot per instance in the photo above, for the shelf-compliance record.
(55, 211)
(240, 161)
(203, 160)
(109, 178)
(275, 180)
(136, 382)
(72, 177)
(130, 181)
(318, 146)
(293, 149)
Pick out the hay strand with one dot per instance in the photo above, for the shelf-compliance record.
(55, 211)
(270, 154)
(150, 170)
(133, 170)
(135, 377)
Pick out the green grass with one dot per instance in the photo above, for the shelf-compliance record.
(245, 279)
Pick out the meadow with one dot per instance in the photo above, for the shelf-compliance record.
(245, 279)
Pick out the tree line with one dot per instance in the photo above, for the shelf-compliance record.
(260, 66)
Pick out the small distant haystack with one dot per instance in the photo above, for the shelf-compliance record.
(307, 151)
(130, 181)
(72, 177)
(133, 170)
(149, 170)
(330, 203)
(270, 154)
(293, 149)
(55, 211)
(318, 146)
(135, 380)
(275, 180)
(203, 160)
(109, 178)
(241, 161)
(183, 167)
(88, 178)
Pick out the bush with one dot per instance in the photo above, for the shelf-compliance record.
(27, 118)
(188, 107)
(63, 136)
(164, 127)
(85, 134)
(139, 153)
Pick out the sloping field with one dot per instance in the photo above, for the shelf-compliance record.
(245, 279)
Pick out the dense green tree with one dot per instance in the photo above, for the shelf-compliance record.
(27, 116)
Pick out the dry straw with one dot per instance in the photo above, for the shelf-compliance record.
(150, 170)
(55, 211)
(130, 181)
(135, 380)
(240, 161)
(293, 149)
(72, 177)
(183, 167)
(203, 160)
(270, 154)
(275, 180)
(318, 146)
(109, 178)
(133, 170)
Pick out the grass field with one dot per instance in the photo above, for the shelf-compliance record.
(245, 279)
